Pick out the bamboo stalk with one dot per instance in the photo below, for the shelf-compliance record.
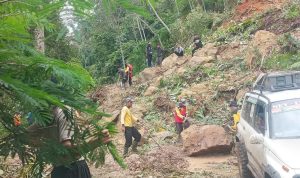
(137, 20)
(158, 17)
(143, 30)
(147, 25)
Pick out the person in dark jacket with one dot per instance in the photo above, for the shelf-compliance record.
(159, 55)
(149, 54)
(197, 44)
(179, 51)
(123, 77)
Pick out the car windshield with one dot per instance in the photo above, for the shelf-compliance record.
(286, 119)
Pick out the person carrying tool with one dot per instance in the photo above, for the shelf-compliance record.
(180, 114)
(129, 72)
(127, 121)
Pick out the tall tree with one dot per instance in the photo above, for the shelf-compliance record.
(32, 82)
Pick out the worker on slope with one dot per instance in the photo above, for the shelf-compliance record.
(123, 77)
(180, 115)
(128, 120)
(233, 106)
(197, 44)
(129, 72)
(149, 54)
(179, 51)
(159, 55)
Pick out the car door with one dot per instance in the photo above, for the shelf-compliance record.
(245, 124)
(258, 128)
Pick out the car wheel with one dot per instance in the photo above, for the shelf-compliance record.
(242, 160)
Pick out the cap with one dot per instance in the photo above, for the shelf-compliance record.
(181, 104)
(129, 99)
(182, 100)
(233, 104)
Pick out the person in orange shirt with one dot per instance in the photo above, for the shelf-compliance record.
(129, 72)
(17, 119)
(180, 114)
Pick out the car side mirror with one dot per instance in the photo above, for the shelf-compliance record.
(256, 139)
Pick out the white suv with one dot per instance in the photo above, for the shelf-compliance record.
(268, 133)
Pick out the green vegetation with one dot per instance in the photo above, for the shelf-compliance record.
(241, 30)
(283, 61)
(292, 10)
(31, 80)
(126, 28)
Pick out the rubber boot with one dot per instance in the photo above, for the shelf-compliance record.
(125, 154)
(134, 146)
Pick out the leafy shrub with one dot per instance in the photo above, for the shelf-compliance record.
(289, 43)
(282, 61)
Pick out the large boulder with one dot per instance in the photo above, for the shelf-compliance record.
(207, 54)
(208, 50)
(205, 139)
(173, 60)
(233, 50)
(200, 90)
(149, 74)
(169, 61)
(263, 45)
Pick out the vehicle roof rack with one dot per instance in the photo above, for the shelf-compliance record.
(277, 81)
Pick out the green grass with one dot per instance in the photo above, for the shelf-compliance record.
(282, 61)
(292, 11)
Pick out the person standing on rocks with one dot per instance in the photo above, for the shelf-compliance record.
(123, 77)
(127, 121)
(180, 114)
(159, 55)
(129, 72)
(149, 54)
(179, 51)
(197, 44)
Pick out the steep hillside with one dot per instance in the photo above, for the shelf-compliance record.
(263, 35)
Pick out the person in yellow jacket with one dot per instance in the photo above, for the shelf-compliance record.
(235, 114)
(128, 120)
